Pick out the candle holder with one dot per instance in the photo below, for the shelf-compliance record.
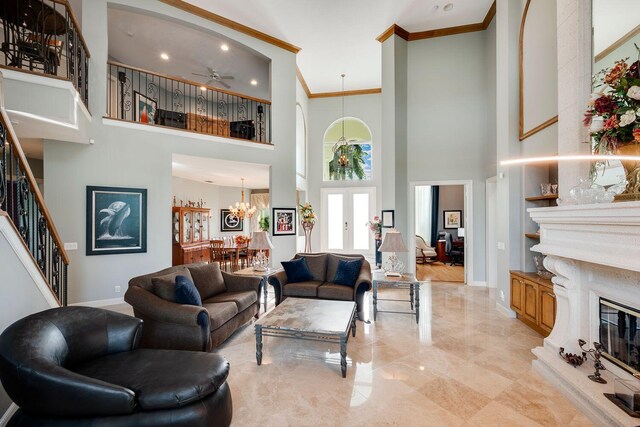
(595, 353)
(573, 359)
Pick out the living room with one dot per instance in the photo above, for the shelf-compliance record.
(341, 125)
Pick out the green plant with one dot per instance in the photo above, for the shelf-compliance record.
(264, 223)
(355, 154)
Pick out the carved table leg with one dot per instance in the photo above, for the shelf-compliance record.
(375, 300)
(343, 355)
(411, 294)
(417, 302)
(353, 326)
(265, 285)
(259, 344)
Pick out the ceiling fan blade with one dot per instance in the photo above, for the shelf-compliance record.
(210, 82)
(211, 70)
(201, 75)
(224, 84)
(228, 77)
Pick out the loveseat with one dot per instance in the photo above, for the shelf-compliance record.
(228, 302)
(323, 267)
(82, 366)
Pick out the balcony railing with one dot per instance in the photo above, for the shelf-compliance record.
(43, 37)
(21, 199)
(143, 96)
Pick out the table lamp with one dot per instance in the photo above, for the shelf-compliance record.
(393, 243)
(260, 242)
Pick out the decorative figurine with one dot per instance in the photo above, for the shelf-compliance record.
(573, 359)
(595, 354)
(174, 201)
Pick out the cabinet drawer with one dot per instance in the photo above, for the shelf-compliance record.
(530, 306)
(547, 308)
(517, 294)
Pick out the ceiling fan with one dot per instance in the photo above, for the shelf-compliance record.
(215, 77)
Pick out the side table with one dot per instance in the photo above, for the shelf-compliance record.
(264, 275)
(406, 281)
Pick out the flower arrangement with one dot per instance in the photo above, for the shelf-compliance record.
(375, 225)
(307, 216)
(241, 240)
(613, 113)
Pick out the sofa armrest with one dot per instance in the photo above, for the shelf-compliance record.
(278, 281)
(363, 283)
(158, 309)
(124, 332)
(236, 283)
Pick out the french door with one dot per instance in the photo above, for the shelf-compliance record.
(345, 213)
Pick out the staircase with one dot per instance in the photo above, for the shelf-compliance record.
(22, 204)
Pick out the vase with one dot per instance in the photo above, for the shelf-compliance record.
(632, 171)
(307, 227)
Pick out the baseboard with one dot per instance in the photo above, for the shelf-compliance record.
(101, 302)
(505, 311)
(8, 414)
(480, 283)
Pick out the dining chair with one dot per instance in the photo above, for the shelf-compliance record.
(219, 254)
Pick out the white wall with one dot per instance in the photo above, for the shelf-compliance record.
(450, 119)
(322, 113)
(137, 157)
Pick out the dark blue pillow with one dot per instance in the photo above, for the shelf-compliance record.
(186, 292)
(297, 270)
(347, 272)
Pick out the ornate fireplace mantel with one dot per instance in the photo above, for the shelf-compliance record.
(594, 251)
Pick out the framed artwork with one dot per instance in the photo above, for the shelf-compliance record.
(116, 220)
(144, 108)
(388, 219)
(229, 222)
(452, 219)
(284, 221)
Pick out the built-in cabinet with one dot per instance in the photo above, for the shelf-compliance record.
(190, 231)
(533, 300)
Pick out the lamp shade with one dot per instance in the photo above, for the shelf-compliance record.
(393, 242)
(460, 232)
(260, 240)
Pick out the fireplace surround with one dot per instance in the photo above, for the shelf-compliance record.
(594, 251)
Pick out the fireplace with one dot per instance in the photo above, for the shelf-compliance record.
(620, 335)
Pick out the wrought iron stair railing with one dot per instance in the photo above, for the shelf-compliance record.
(24, 204)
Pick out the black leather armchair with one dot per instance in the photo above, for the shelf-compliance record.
(455, 254)
(81, 366)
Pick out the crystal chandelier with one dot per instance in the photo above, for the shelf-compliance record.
(342, 150)
(242, 209)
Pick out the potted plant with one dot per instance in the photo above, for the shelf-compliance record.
(307, 220)
(613, 119)
(264, 223)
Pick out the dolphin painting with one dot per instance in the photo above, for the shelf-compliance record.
(111, 225)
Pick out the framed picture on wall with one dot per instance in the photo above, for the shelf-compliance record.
(388, 219)
(284, 221)
(229, 222)
(452, 219)
(116, 220)
(144, 108)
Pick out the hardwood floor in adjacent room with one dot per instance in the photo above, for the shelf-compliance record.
(439, 272)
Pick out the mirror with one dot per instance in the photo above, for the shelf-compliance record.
(616, 28)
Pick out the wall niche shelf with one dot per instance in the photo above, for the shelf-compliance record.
(537, 198)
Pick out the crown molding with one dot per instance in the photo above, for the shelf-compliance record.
(346, 93)
(210, 16)
(622, 40)
(439, 32)
(303, 82)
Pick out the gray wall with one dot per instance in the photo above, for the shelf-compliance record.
(450, 119)
(137, 157)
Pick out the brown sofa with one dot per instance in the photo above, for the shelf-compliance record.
(323, 267)
(228, 302)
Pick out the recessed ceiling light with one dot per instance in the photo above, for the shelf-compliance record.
(224, 47)
(254, 82)
(447, 7)
(164, 56)
(129, 33)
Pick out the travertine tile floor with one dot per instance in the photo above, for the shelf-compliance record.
(464, 364)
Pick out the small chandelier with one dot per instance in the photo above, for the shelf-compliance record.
(242, 209)
(342, 149)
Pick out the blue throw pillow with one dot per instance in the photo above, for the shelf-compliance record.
(347, 272)
(186, 292)
(297, 270)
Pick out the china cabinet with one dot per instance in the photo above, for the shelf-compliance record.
(190, 231)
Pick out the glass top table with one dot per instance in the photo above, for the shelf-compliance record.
(309, 319)
(408, 282)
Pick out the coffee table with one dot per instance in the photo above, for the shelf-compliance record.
(312, 320)
(264, 275)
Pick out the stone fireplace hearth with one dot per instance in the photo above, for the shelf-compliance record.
(594, 251)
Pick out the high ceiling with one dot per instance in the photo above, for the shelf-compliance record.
(224, 173)
(612, 19)
(134, 40)
(339, 36)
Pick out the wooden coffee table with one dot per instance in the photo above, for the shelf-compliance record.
(312, 320)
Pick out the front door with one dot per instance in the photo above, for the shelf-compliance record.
(345, 213)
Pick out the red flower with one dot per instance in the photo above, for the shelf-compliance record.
(588, 115)
(634, 71)
(611, 123)
(604, 105)
(615, 73)
(636, 135)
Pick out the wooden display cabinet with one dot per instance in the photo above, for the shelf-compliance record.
(533, 300)
(190, 231)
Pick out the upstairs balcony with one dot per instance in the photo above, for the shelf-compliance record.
(151, 98)
(44, 61)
